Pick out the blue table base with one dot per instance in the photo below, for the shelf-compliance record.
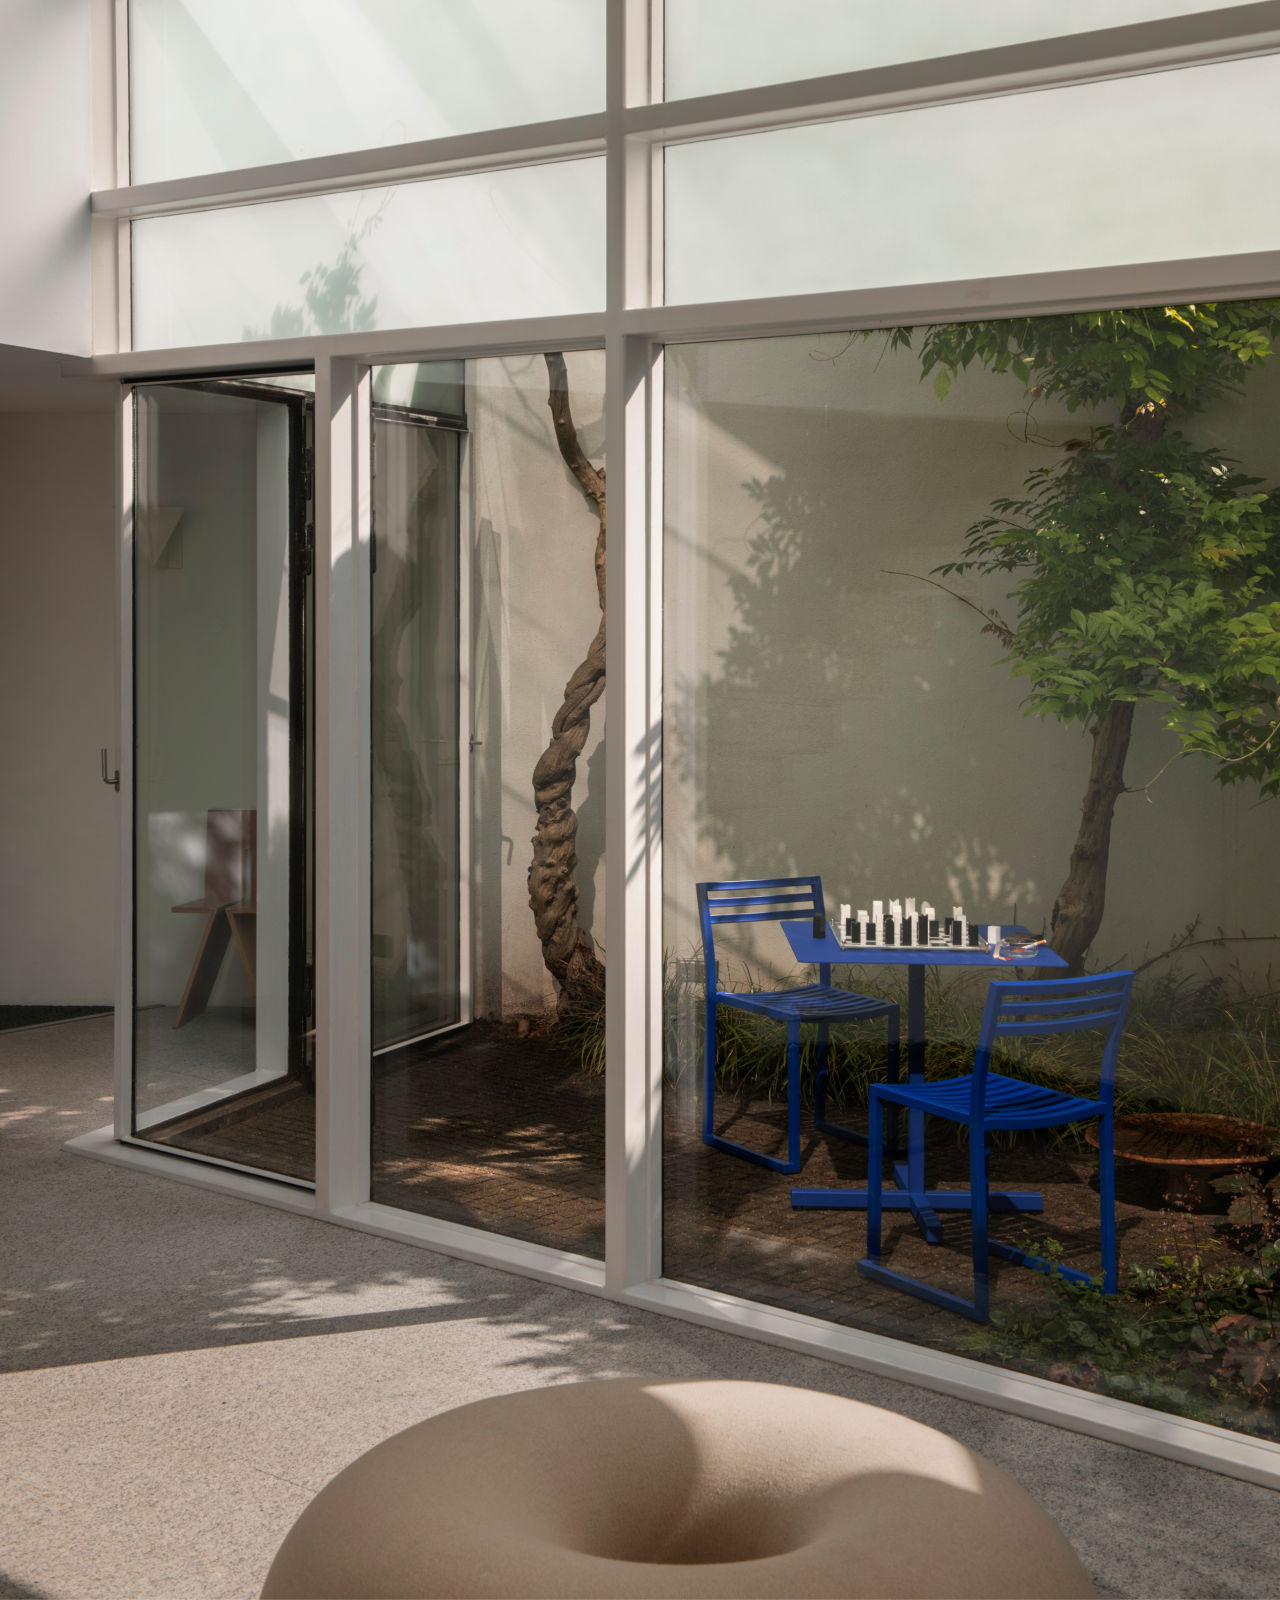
(923, 1204)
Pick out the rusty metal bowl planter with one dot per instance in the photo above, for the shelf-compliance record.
(1192, 1149)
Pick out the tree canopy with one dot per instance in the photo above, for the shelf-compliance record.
(1145, 566)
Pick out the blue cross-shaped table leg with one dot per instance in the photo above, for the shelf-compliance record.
(909, 1175)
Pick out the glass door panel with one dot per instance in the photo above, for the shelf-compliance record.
(222, 900)
(416, 774)
(487, 716)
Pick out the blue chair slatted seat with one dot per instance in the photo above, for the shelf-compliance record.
(781, 900)
(988, 1102)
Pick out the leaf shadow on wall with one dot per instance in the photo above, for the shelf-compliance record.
(814, 743)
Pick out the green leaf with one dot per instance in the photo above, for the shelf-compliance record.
(942, 383)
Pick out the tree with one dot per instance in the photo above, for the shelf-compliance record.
(567, 950)
(1146, 566)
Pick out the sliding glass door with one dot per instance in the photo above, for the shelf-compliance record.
(487, 769)
(222, 1041)
(417, 777)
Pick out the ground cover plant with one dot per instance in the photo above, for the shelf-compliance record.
(1188, 1332)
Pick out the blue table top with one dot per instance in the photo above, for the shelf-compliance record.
(807, 948)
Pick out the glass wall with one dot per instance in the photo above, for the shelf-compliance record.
(855, 541)
(219, 84)
(488, 800)
(985, 616)
(714, 45)
(958, 191)
(222, 1047)
(523, 242)
(416, 671)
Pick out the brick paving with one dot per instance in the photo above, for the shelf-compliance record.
(500, 1132)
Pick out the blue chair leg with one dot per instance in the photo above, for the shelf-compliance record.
(1107, 1191)
(731, 1146)
(892, 1066)
(978, 1212)
(871, 1267)
(709, 1072)
(875, 1175)
(793, 1097)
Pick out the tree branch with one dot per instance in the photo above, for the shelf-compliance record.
(993, 621)
(1191, 944)
(591, 479)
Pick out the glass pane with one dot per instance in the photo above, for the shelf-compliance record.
(842, 701)
(1024, 183)
(414, 697)
(488, 772)
(714, 45)
(519, 243)
(222, 914)
(207, 90)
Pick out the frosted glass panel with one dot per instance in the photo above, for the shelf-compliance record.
(714, 45)
(218, 84)
(1025, 183)
(519, 243)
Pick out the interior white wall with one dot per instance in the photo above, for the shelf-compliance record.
(57, 667)
(46, 171)
(532, 537)
(828, 712)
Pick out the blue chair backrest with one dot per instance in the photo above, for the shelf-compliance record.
(1055, 1005)
(753, 900)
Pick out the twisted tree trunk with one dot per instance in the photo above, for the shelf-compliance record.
(567, 950)
(1077, 912)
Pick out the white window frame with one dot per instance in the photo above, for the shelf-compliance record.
(633, 328)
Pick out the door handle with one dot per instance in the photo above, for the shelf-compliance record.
(114, 780)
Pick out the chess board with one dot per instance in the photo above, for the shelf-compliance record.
(909, 924)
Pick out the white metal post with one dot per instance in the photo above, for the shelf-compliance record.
(633, 1026)
(633, 1031)
(341, 564)
(123, 1114)
(109, 101)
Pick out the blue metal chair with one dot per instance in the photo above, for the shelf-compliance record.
(780, 900)
(987, 1101)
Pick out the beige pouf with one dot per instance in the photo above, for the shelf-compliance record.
(651, 1488)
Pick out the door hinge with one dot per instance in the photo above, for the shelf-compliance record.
(306, 550)
(308, 472)
(309, 990)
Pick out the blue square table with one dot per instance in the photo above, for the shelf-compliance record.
(913, 1193)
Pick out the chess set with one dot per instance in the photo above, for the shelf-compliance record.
(902, 926)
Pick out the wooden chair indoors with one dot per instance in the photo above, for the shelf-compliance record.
(229, 906)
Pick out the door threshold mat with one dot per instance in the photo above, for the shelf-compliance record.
(12, 1017)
